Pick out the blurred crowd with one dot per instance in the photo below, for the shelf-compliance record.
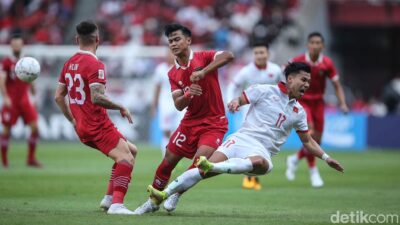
(40, 21)
(225, 24)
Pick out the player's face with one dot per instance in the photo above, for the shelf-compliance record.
(315, 45)
(260, 55)
(178, 42)
(16, 45)
(298, 84)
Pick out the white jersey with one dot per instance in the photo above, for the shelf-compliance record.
(272, 115)
(251, 74)
(169, 115)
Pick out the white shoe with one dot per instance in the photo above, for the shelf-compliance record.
(316, 180)
(171, 202)
(119, 209)
(147, 207)
(291, 167)
(106, 202)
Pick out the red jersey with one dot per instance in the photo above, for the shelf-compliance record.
(320, 70)
(16, 88)
(79, 72)
(208, 108)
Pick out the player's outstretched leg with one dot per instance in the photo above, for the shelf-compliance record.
(124, 159)
(161, 179)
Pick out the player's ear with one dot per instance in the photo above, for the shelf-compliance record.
(189, 40)
(76, 39)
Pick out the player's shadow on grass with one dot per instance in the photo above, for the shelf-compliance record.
(209, 214)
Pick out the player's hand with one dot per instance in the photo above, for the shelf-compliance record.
(234, 105)
(126, 114)
(7, 101)
(197, 75)
(195, 90)
(334, 164)
(344, 108)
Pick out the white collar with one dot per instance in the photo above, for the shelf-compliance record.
(177, 66)
(87, 53)
(308, 58)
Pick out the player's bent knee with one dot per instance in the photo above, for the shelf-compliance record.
(132, 149)
(261, 165)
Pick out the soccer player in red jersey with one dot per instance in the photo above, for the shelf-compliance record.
(195, 86)
(16, 103)
(83, 80)
(321, 68)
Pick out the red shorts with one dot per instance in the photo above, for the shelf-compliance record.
(186, 139)
(105, 141)
(23, 108)
(315, 113)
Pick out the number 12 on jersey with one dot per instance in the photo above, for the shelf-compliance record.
(75, 85)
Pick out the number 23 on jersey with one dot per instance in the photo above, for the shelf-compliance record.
(75, 86)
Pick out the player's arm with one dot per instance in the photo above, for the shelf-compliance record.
(220, 60)
(32, 88)
(182, 100)
(3, 89)
(313, 147)
(234, 105)
(59, 97)
(98, 97)
(340, 95)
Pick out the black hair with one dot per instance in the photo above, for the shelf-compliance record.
(316, 34)
(85, 30)
(295, 68)
(261, 44)
(170, 28)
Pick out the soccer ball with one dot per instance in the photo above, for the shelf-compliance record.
(27, 69)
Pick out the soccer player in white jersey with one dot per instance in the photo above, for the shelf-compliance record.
(260, 71)
(273, 112)
(169, 116)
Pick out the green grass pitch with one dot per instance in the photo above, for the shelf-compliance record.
(74, 178)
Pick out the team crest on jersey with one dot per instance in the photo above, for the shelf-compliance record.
(101, 74)
(295, 109)
(321, 72)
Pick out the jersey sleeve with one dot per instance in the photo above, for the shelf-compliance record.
(208, 56)
(61, 79)
(97, 74)
(253, 93)
(301, 124)
(174, 84)
(332, 72)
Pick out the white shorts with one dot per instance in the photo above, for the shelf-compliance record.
(239, 145)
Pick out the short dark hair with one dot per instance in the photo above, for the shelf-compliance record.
(261, 44)
(170, 28)
(315, 34)
(85, 30)
(295, 68)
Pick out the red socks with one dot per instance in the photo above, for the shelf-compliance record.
(310, 158)
(110, 189)
(122, 178)
(4, 149)
(32, 141)
(163, 174)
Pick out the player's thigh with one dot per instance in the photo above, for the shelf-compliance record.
(318, 119)
(172, 158)
(29, 113)
(9, 116)
(132, 148)
(121, 152)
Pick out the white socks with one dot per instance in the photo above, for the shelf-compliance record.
(233, 166)
(185, 181)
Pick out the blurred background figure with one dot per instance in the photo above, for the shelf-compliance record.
(168, 116)
(391, 95)
(17, 103)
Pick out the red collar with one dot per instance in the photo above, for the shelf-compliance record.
(282, 87)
